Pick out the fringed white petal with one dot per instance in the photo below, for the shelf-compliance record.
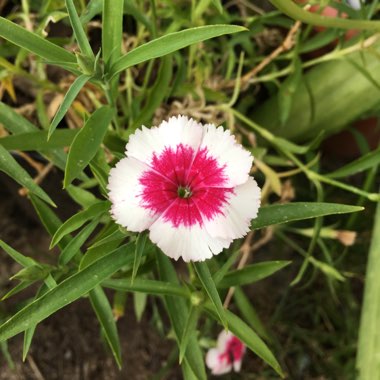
(223, 338)
(232, 156)
(216, 364)
(177, 130)
(235, 220)
(192, 243)
(124, 190)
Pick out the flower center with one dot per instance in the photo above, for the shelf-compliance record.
(185, 186)
(184, 192)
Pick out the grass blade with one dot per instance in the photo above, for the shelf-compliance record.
(290, 212)
(38, 140)
(190, 327)
(170, 43)
(146, 286)
(207, 281)
(112, 30)
(79, 32)
(86, 143)
(368, 357)
(73, 247)
(77, 220)
(70, 96)
(177, 310)
(14, 122)
(17, 256)
(251, 273)
(34, 43)
(9, 166)
(365, 162)
(106, 319)
(63, 294)
(140, 246)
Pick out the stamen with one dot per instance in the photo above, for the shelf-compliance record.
(184, 192)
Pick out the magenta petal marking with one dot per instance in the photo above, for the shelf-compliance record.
(234, 351)
(184, 168)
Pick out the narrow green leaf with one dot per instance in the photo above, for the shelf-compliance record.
(188, 331)
(363, 163)
(87, 142)
(157, 93)
(146, 286)
(290, 212)
(140, 246)
(81, 196)
(249, 337)
(187, 373)
(95, 253)
(114, 234)
(49, 219)
(28, 337)
(79, 32)
(18, 288)
(368, 357)
(106, 319)
(14, 122)
(34, 43)
(17, 256)
(218, 5)
(220, 273)
(7, 355)
(70, 96)
(73, 247)
(249, 313)
(9, 166)
(32, 273)
(252, 273)
(77, 220)
(112, 30)
(29, 333)
(171, 42)
(177, 310)
(287, 90)
(208, 284)
(139, 304)
(37, 140)
(63, 294)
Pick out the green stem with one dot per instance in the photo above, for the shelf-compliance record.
(368, 358)
(291, 9)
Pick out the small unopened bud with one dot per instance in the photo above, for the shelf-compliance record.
(196, 298)
(347, 238)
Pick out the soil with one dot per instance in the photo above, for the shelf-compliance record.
(68, 345)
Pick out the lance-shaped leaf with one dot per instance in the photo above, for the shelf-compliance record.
(64, 293)
(70, 96)
(290, 212)
(79, 32)
(87, 142)
(9, 166)
(170, 43)
(105, 316)
(34, 43)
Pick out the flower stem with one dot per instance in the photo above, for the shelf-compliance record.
(294, 11)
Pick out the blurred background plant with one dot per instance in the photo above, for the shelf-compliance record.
(78, 77)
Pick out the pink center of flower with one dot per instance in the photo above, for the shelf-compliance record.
(234, 351)
(185, 186)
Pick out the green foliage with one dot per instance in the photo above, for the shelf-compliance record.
(156, 58)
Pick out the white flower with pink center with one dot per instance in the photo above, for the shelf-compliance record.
(188, 184)
(227, 355)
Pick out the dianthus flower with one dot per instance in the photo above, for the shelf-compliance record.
(227, 355)
(188, 184)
